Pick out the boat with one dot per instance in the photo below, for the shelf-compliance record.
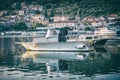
(85, 38)
(105, 33)
(56, 40)
(57, 46)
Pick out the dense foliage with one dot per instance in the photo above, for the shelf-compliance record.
(19, 26)
(69, 7)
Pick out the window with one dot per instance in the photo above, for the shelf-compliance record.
(95, 37)
(88, 37)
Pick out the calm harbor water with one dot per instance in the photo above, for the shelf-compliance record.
(18, 64)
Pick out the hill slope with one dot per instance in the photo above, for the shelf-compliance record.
(70, 7)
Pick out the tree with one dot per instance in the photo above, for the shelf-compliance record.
(88, 29)
(19, 26)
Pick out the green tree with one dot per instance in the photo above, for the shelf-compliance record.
(88, 29)
(19, 26)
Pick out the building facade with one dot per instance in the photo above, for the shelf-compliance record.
(60, 24)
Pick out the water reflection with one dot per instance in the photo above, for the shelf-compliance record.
(16, 63)
(58, 55)
(89, 65)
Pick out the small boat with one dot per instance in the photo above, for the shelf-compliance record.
(56, 40)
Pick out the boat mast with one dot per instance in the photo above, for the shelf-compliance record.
(78, 23)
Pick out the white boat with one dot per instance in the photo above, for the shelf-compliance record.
(55, 42)
(86, 38)
(105, 33)
(57, 46)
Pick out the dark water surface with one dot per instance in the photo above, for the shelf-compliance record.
(18, 64)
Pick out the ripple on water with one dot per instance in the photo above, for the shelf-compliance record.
(50, 76)
(12, 69)
(44, 78)
(38, 72)
(1, 71)
(58, 76)
(44, 75)
(118, 71)
(23, 70)
(1, 74)
(29, 74)
(10, 74)
(72, 78)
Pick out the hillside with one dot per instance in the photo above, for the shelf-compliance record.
(69, 7)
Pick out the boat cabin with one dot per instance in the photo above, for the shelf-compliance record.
(57, 34)
(88, 37)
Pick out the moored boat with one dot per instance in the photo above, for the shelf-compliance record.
(105, 33)
(58, 46)
(56, 40)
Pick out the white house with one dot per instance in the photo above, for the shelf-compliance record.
(21, 12)
(60, 24)
(37, 7)
(61, 18)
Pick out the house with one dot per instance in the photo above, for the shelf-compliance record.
(38, 18)
(60, 18)
(111, 19)
(112, 16)
(100, 22)
(11, 19)
(37, 7)
(95, 22)
(1, 13)
(89, 19)
(21, 12)
(60, 24)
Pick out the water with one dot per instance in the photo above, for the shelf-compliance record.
(18, 64)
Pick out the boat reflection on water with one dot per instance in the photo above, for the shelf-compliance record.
(52, 59)
(74, 62)
(58, 55)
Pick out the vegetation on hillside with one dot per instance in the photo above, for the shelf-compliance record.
(19, 26)
(69, 7)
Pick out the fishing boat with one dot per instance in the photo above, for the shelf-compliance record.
(56, 40)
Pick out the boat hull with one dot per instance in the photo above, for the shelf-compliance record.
(57, 46)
